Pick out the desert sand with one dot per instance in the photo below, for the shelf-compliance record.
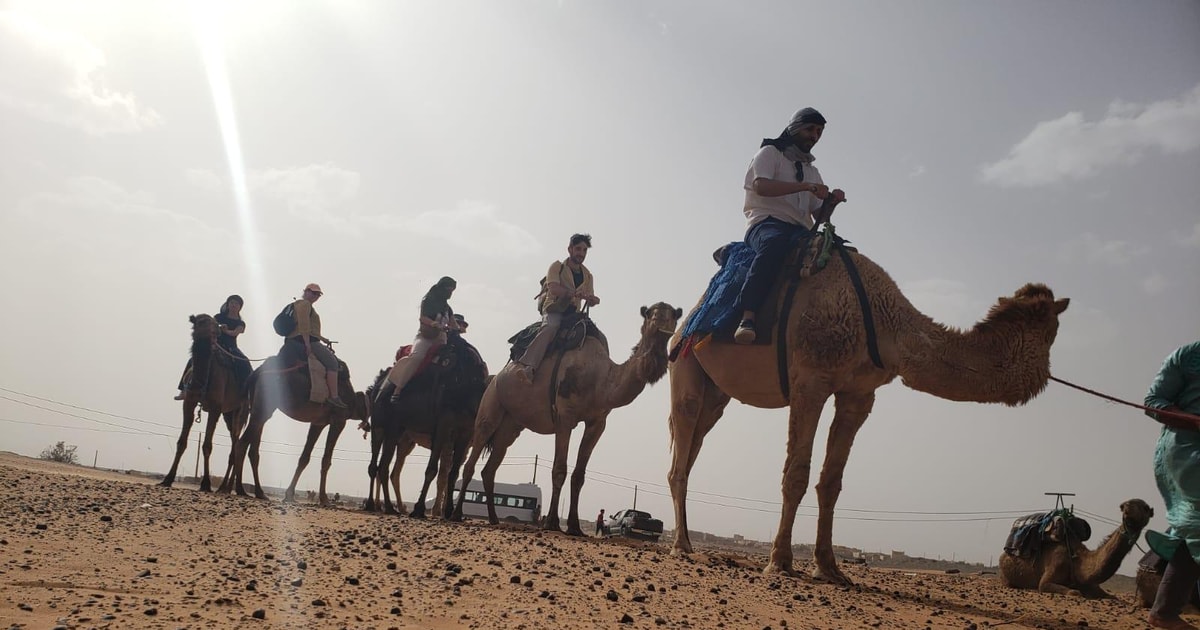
(82, 548)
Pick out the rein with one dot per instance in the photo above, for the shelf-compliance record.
(1178, 415)
(234, 356)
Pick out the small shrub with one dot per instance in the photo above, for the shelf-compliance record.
(60, 453)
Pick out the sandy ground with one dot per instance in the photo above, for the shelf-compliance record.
(90, 549)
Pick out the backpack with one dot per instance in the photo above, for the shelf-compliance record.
(285, 321)
(541, 295)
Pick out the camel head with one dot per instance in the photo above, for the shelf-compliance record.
(203, 327)
(1136, 514)
(660, 319)
(1027, 323)
(658, 325)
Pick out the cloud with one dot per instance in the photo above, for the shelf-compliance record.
(1085, 327)
(58, 77)
(1155, 283)
(1091, 249)
(1193, 239)
(473, 225)
(1070, 147)
(946, 301)
(917, 171)
(204, 179)
(101, 225)
(312, 192)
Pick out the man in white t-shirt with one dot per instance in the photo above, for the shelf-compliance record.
(785, 195)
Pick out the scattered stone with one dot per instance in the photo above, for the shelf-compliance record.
(611, 595)
(626, 618)
(260, 614)
(298, 582)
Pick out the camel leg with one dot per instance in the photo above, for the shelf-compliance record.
(696, 405)
(443, 477)
(591, 435)
(314, 432)
(189, 408)
(254, 459)
(558, 475)
(1047, 586)
(381, 473)
(231, 423)
(436, 445)
(802, 428)
(371, 504)
(851, 412)
(331, 439)
(459, 453)
(504, 438)
(237, 447)
(209, 429)
(487, 421)
(403, 449)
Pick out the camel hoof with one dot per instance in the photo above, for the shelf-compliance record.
(776, 568)
(832, 577)
(392, 511)
(549, 526)
(574, 531)
(206, 486)
(679, 550)
(369, 506)
(287, 498)
(241, 492)
(419, 515)
(259, 494)
(457, 517)
(166, 483)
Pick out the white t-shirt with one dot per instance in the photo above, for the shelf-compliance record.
(769, 163)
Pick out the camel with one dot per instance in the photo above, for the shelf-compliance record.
(588, 387)
(276, 387)
(1069, 567)
(214, 389)
(437, 410)
(1005, 358)
(1149, 576)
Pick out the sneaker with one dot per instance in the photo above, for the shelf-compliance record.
(337, 402)
(745, 333)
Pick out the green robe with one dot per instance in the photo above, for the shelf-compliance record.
(1177, 456)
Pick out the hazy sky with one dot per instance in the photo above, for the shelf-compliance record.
(157, 156)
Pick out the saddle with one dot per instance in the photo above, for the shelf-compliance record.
(576, 327)
(1028, 533)
(291, 356)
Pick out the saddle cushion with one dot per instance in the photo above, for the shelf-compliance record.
(571, 333)
(1027, 534)
(719, 312)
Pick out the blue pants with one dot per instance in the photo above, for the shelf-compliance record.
(771, 240)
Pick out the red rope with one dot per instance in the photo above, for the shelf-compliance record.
(1178, 415)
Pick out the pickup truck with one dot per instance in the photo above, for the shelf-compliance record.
(633, 524)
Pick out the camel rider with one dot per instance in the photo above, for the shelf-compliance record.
(1176, 390)
(568, 286)
(307, 331)
(436, 317)
(784, 197)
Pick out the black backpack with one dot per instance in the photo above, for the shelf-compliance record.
(285, 321)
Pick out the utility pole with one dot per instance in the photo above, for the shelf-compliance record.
(94, 458)
(635, 496)
(535, 460)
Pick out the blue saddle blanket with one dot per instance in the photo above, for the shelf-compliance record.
(719, 310)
